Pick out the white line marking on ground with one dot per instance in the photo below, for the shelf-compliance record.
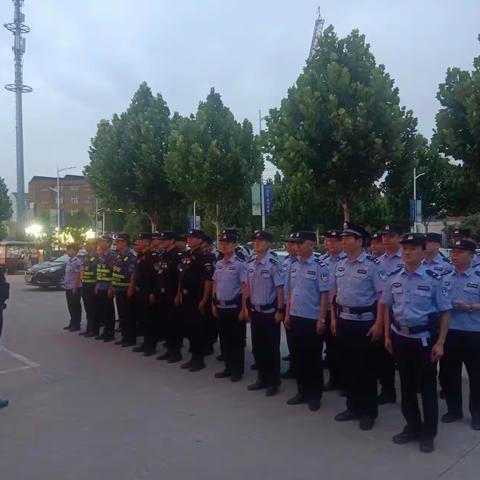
(11, 370)
(20, 358)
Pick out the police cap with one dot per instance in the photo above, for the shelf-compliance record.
(180, 237)
(290, 238)
(434, 237)
(227, 237)
(156, 236)
(462, 232)
(145, 236)
(333, 234)
(465, 245)
(195, 233)
(107, 238)
(418, 239)
(167, 235)
(376, 236)
(303, 235)
(390, 229)
(123, 237)
(208, 239)
(351, 229)
(262, 235)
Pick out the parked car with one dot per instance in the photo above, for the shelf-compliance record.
(47, 274)
(17, 255)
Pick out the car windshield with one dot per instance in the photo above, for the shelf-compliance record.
(62, 259)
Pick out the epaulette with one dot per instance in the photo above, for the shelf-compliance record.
(394, 272)
(446, 259)
(294, 259)
(251, 260)
(273, 260)
(477, 272)
(272, 252)
(373, 259)
(433, 274)
(240, 257)
(319, 261)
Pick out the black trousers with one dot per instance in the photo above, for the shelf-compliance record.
(333, 358)
(417, 374)
(461, 348)
(104, 314)
(386, 371)
(211, 327)
(359, 355)
(170, 323)
(195, 328)
(74, 307)
(126, 315)
(2, 308)
(307, 361)
(266, 346)
(143, 314)
(233, 334)
(88, 297)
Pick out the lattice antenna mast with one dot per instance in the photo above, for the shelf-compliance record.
(317, 32)
(18, 28)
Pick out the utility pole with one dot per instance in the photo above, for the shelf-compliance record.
(317, 32)
(18, 28)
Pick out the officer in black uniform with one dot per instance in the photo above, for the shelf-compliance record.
(196, 270)
(105, 311)
(4, 295)
(166, 299)
(89, 281)
(123, 289)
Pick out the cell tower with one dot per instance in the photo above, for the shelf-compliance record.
(317, 32)
(18, 28)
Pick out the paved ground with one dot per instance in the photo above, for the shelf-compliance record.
(82, 409)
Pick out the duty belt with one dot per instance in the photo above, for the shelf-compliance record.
(261, 308)
(356, 313)
(227, 303)
(430, 327)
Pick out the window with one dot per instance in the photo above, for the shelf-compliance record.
(74, 188)
(74, 200)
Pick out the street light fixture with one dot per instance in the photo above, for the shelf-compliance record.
(415, 178)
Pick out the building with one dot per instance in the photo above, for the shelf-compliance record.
(75, 196)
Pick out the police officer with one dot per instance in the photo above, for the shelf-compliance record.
(229, 307)
(4, 295)
(105, 311)
(166, 297)
(73, 287)
(89, 281)
(462, 345)
(334, 253)
(357, 321)
(307, 302)
(181, 243)
(415, 333)
(434, 260)
(195, 277)
(123, 289)
(465, 234)
(142, 279)
(265, 302)
(376, 245)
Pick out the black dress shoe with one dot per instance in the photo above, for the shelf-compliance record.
(197, 366)
(109, 339)
(475, 423)
(139, 349)
(288, 375)
(208, 351)
(90, 335)
(346, 416)
(83, 334)
(128, 344)
(426, 445)
(387, 397)
(149, 353)
(405, 437)
(314, 404)
(68, 327)
(330, 387)
(286, 358)
(119, 342)
(254, 367)
(236, 377)
(3, 403)
(75, 329)
(187, 365)
(220, 358)
(164, 356)
(367, 422)
(296, 400)
(175, 357)
(271, 391)
(258, 385)
(223, 374)
(451, 417)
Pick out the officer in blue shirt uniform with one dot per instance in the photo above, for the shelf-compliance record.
(389, 261)
(123, 289)
(335, 253)
(265, 303)
(357, 321)
(376, 247)
(229, 307)
(465, 234)
(434, 260)
(307, 302)
(462, 345)
(416, 325)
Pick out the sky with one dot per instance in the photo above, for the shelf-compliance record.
(85, 59)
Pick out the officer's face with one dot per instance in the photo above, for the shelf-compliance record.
(167, 244)
(138, 246)
(227, 248)
(391, 242)
(351, 244)
(461, 258)
(154, 244)
(70, 252)
(103, 245)
(432, 248)
(90, 247)
(305, 248)
(121, 245)
(260, 246)
(194, 242)
(377, 247)
(333, 245)
(412, 254)
(292, 248)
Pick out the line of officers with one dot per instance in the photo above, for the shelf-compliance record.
(371, 303)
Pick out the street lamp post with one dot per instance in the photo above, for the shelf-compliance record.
(59, 170)
(415, 178)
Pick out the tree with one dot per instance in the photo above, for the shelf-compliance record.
(458, 121)
(127, 159)
(214, 160)
(339, 129)
(5, 207)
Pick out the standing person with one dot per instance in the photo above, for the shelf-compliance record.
(462, 345)
(73, 288)
(358, 323)
(105, 310)
(4, 295)
(335, 253)
(196, 271)
(307, 300)
(89, 281)
(376, 246)
(265, 302)
(166, 298)
(415, 332)
(292, 255)
(122, 289)
(434, 260)
(228, 306)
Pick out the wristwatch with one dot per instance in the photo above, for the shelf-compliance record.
(470, 308)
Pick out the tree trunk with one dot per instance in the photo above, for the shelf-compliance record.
(216, 222)
(346, 210)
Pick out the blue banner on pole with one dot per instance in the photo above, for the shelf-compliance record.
(268, 199)
(412, 211)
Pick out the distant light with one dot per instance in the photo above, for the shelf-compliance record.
(89, 234)
(35, 230)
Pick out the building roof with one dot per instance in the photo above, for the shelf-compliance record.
(54, 179)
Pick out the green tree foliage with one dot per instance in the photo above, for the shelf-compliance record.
(127, 158)
(5, 208)
(338, 131)
(214, 160)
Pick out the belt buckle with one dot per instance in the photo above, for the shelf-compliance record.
(222, 303)
(185, 291)
(405, 330)
(163, 290)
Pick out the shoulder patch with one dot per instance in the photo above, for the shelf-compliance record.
(373, 259)
(394, 272)
(477, 272)
(319, 261)
(273, 260)
(433, 274)
(251, 260)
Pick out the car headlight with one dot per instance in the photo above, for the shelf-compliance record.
(51, 270)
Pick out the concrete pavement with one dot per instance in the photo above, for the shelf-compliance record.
(82, 409)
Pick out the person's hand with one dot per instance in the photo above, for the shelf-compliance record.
(333, 326)
(278, 316)
(130, 292)
(110, 292)
(375, 332)
(286, 321)
(320, 327)
(388, 344)
(214, 311)
(201, 306)
(95, 290)
(75, 290)
(461, 306)
(243, 315)
(151, 299)
(437, 352)
(178, 299)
